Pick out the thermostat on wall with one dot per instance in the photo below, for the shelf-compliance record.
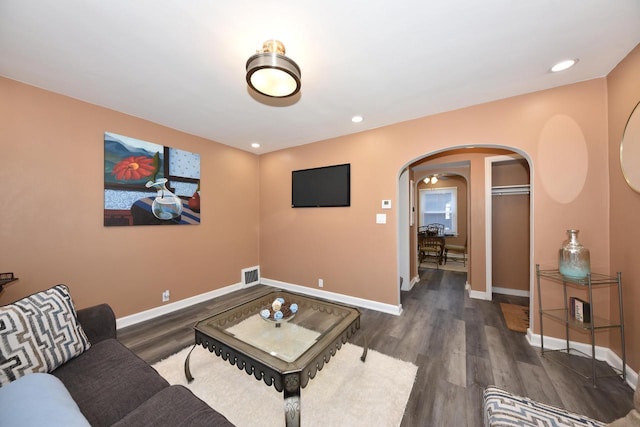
(386, 204)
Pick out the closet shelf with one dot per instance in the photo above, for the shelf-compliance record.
(510, 190)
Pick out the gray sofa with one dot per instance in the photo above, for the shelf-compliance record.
(47, 377)
(113, 386)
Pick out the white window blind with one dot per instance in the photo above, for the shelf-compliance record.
(439, 205)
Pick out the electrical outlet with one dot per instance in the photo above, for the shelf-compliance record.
(320, 283)
(166, 295)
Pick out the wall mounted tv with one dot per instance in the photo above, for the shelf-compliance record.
(329, 186)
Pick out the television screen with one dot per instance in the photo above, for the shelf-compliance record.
(328, 186)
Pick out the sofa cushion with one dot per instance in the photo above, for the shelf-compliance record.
(39, 333)
(108, 381)
(174, 406)
(39, 400)
(504, 409)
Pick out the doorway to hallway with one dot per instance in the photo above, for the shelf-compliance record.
(479, 215)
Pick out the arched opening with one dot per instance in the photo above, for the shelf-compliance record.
(475, 166)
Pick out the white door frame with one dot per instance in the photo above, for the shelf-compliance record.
(488, 163)
(404, 238)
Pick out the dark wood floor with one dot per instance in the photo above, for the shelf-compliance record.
(460, 346)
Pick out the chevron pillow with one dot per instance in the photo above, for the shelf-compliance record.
(39, 333)
(503, 409)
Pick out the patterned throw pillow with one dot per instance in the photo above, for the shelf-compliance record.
(39, 333)
(504, 409)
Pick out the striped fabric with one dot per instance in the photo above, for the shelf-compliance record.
(504, 409)
(39, 333)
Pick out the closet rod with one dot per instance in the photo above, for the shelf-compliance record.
(510, 190)
(511, 193)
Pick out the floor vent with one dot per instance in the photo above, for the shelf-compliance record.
(250, 276)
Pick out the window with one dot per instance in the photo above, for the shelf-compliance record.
(439, 205)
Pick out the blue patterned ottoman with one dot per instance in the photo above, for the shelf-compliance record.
(502, 408)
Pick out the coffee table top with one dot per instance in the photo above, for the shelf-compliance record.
(303, 341)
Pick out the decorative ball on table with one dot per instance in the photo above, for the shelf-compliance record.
(279, 311)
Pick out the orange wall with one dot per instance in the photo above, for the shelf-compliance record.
(51, 220)
(358, 257)
(51, 226)
(624, 93)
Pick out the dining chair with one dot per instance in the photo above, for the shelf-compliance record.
(430, 248)
(435, 229)
(456, 249)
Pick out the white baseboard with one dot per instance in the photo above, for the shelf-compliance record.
(152, 313)
(340, 298)
(505, 291)
(508, 291)
(411, 284)
(476, 294)
(604, 354)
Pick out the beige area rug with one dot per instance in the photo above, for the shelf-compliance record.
(516, 316)
(345, 392)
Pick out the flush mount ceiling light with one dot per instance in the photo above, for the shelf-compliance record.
(357, 119)
(271, 73)
(563, 65)
(431, 179)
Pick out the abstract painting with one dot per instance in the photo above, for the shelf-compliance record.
(149, 184)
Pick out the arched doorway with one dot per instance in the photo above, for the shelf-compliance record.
(479, 219)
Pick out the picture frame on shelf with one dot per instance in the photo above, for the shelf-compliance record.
(580, 310)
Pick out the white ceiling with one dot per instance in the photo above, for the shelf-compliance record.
(181, 63)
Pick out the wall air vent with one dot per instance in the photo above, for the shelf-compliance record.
(250, 276)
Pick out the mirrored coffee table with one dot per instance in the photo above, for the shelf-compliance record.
(284, 352)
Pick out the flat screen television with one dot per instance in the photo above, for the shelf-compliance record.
(328, 186)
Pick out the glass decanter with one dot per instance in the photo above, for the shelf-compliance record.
(574, 259)
(166, 205)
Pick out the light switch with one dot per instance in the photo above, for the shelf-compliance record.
(381, 218)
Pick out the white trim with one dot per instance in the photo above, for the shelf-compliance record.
(340, 298)
(488, 163)
(152, 313)
(404, 234)
(604, 354)
(478, 295)
(488, 245)
(408, 286)
(514, 292)
(475, 294)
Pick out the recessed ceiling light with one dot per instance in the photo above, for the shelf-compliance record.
(563, 65)
(255, 145)
(357, 119)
